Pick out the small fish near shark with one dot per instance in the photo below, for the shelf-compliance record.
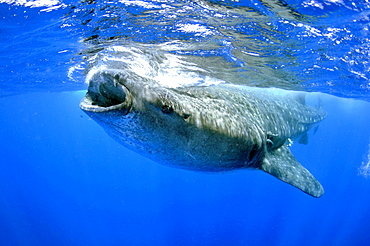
(211, 128)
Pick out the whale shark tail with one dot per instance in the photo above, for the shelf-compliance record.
(282, 164)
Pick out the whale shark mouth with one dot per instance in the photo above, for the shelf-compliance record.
(105, 93)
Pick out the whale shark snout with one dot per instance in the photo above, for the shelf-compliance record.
(105, 93)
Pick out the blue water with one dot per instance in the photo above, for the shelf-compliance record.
(63, 181)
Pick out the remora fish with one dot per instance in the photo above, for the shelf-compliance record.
(204, 128)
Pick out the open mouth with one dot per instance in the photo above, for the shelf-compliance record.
(106, 93)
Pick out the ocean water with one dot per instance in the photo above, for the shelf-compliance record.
(63, 181)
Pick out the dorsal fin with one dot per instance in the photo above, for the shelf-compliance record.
(282, 164)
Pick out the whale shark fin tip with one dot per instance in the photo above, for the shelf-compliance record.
(282, 164)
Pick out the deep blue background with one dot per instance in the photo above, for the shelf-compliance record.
(63, 181)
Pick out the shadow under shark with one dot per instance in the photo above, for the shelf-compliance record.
(205, 128)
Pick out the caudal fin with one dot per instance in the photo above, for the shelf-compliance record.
(282, 164)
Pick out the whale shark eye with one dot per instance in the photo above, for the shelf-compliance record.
(167, 109)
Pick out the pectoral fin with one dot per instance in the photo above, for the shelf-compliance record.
(282, 164)
(304, 139)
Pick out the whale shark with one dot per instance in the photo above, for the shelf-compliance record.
(213, 128)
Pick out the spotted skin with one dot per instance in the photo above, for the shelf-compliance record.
(205, 128)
